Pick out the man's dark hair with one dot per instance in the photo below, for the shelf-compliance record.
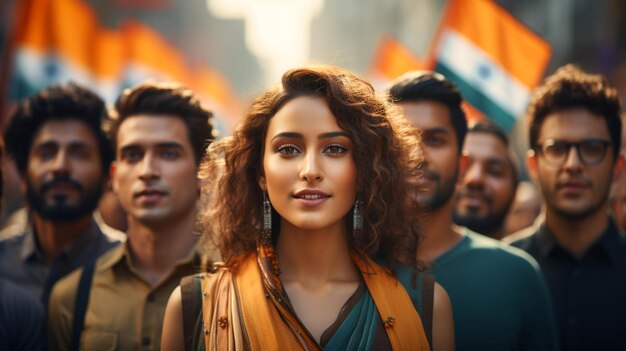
(570, 87)
(489, 127)
(157, 98)
(59, 102)
(419, 86)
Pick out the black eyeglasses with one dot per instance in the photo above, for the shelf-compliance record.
(590, 151)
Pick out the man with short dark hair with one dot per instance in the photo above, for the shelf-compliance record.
(56, 140)
(499, 300)
(575, 133)
(160, 135)
(488, 185)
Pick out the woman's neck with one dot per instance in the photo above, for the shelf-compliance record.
(314, 258)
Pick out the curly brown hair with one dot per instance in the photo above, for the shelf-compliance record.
(386, 152)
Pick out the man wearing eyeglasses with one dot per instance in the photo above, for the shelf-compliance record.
(575, 136)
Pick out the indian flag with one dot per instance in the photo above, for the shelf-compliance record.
(56, 41)
(391, 60)
(493, 58)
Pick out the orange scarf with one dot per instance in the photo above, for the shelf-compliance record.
(242, 313)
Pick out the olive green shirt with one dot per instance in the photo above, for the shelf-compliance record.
(124, 311)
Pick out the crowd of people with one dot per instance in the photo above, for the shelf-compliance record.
(334, 217)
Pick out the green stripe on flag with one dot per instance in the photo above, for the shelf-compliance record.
(477, 99)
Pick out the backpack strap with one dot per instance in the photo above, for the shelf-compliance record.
(80, 307)
(191, 291)
(428, 293)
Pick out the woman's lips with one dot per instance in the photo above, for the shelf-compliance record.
(311, 198)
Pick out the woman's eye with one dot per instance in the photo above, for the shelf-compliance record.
(288, 149)
(335, 149)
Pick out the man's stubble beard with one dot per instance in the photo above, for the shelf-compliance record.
(60, 211)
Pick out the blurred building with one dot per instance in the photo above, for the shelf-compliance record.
(592, 34)
(247, 43)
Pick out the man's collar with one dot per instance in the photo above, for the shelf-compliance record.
(122, 255)
(608, 241)
(545, 240)
(31, 248)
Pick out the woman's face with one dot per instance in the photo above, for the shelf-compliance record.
(309, 172)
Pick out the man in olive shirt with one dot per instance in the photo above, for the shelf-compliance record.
(160, 135)
(575, 137)
(55, 138)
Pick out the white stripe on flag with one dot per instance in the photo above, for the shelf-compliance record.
(471, 64)
(41, 71)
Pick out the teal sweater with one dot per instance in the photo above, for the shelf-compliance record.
(499, 298)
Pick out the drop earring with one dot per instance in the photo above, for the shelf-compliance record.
(266, 235)
(357, 215)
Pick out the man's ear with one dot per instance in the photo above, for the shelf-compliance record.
(531, 164)
(23, 184)
(463, 165)
(112, 170)
(618, 168)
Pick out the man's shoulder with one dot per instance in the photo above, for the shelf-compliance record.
(109, 258)
(496, 254)
(64, 290)
(12, 236)
(496, 249)
(12, 248)
(523, 238)
(67, 286)
(16, 223)
(107, 238)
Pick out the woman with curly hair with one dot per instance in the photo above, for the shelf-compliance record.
(310, 206)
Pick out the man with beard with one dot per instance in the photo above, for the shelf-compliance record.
(499, 300)
(489, 182)
(56, 140)
(160, 133)
(574, 155)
